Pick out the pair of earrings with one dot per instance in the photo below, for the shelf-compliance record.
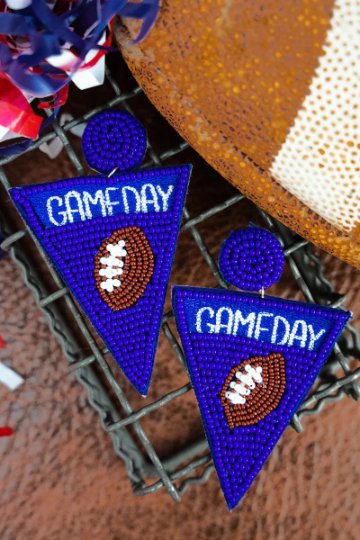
(112, 238)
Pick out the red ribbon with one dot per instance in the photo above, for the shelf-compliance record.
(15, 112)
(56, 100)
(6, 431)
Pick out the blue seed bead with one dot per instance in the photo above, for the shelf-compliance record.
(251, 258)
(240, 453)
(114, 139)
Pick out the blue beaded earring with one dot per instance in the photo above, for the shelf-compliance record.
(251, 358)
(112, 238)
(114, 140)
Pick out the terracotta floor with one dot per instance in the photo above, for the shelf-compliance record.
(60, 478)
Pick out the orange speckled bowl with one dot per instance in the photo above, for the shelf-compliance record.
(268, 93)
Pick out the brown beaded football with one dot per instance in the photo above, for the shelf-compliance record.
(252, 389)
(123, 267)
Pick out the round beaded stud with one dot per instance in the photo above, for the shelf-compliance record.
(114, 140)
(251, 259)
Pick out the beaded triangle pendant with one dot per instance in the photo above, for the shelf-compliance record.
(112, 238)
(251, 358)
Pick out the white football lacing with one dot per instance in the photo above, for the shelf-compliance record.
(248, 380)
(114, 266)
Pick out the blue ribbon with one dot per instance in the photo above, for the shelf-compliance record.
(17, 25)
(48, 32)
(148, 11)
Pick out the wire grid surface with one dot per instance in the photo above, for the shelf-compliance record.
(192, 465)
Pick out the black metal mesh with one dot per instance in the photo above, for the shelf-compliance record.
(192, 465)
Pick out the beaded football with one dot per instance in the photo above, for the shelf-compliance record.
(252, 389)
(124, 266)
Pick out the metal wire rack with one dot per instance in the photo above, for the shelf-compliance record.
(192, 465)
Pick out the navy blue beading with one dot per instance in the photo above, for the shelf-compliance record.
(225, 332)
(74, 220)
(114, 140)
(251, 259)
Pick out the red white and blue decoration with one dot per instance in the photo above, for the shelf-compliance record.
(251, 358)
(46, 44)
(112, 238)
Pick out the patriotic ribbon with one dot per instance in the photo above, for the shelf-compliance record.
(43, 44)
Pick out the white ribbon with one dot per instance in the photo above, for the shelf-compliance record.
(9, 377)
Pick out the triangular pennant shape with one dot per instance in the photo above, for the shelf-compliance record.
(251, 361)
(113, 241)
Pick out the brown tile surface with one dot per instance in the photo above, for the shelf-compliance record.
(60, 478)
